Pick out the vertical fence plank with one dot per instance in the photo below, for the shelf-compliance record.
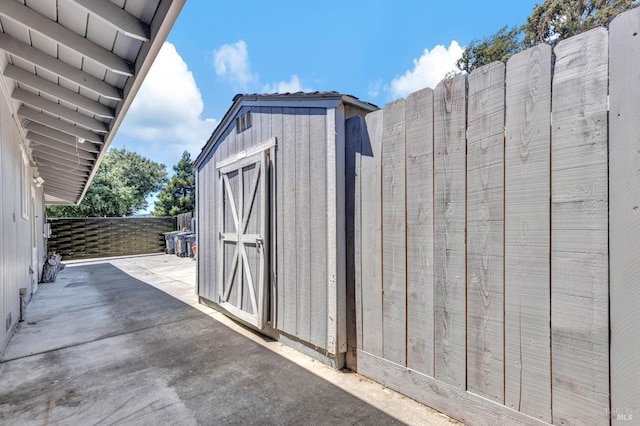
(624, 210)
(419, 129)
(353, 142)
(449, 231)
(371, 200)
(579, 231)
(527, 233)
(394, 263)
(485, 232)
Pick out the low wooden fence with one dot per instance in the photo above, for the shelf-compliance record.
(494, 237)
(92, 237)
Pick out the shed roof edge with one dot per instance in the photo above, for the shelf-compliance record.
(296, 100)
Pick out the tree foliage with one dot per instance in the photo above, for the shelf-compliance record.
(120, 187)
(555, 20)
(549, 22)
(497, 47)
(179, 196)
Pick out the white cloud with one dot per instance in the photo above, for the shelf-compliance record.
(374, 88)
(291, 86)
(428, 70)
(231, 62)
(166, 113)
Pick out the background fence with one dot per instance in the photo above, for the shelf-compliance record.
(183, 222)
(85, 238)
(494, 237)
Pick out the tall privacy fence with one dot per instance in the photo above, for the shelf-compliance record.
(494, 237)
(93, 237)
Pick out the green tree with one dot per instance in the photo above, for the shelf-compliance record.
(497, 47)
(120, 187)
(179, 196)
(549, 22)
(555, 20)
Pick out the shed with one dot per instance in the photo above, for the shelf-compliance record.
(270, 190)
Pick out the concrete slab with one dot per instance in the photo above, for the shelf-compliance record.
(102, 345)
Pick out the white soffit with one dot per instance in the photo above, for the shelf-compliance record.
(71, 69)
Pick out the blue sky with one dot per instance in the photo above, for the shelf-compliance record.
(376, 50)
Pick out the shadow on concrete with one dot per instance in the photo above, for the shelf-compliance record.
(101, 347)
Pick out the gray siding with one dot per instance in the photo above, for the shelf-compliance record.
(299, 202)
(18, 213)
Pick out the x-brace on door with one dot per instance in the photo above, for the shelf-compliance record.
(243, 254)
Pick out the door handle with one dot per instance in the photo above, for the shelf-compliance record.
(259, 242)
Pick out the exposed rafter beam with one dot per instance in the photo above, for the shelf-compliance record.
(48, 171)
(56, 32)
(63, 168)
(116, 17)
(60, 193)
(43, 151)
(56, 191)
(59, 110)
(64, 184)
(53, 190)
(61, 176)
(65, 138)
(62, 164)
(42, 85)
(60, 125)
(63, 200)
(62, 181)
(59, 189)
(58, 67)
(41, 140)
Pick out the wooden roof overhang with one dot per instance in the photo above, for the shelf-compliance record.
(71, 69)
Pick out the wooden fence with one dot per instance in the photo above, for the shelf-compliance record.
(184, 222)
(494, 237)
(93, 237)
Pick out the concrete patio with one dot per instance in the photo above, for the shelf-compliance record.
(125, 341)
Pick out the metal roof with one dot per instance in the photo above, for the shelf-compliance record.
(71, 69)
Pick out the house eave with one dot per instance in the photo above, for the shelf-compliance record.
(74, 102)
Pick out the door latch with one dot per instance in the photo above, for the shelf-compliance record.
(259, 242)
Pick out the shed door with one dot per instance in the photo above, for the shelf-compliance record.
(242, 262)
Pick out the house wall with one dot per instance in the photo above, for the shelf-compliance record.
(300, 279)
(21, 223)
